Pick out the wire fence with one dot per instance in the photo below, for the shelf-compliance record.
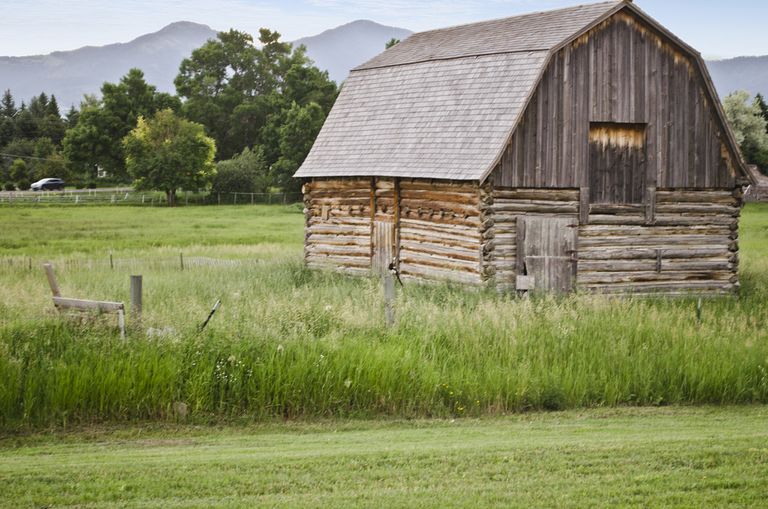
(130, 197)
(108, 261)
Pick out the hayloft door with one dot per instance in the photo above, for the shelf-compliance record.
(546, 252)
(384, 224)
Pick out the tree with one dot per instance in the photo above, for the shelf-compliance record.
(749, 128)
(20, 174)
(96, 140)
(297, 134)
(168, 153)
(247, 172)
(391, 43)
(241, 93)
(763, 106)
(7, 104)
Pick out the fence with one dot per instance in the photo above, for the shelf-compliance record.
(131, 197)
(108, 261)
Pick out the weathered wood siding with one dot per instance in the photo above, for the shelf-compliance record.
(440, 231)
(692, 245)
(507, 206)
(338, 224)
(622, 72)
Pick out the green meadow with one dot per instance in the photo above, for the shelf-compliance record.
(297, 344)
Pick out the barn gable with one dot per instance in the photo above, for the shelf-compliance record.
(611, 87)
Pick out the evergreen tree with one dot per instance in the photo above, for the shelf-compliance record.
(763, 107)
(7, 104)
(53, 108)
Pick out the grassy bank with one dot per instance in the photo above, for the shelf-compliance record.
(701, 457)
(288, 342)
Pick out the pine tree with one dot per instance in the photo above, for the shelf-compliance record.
(53, 107)
(763, 106)
(7, 105)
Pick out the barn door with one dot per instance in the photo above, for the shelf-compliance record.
(384, 224)
(546, 252)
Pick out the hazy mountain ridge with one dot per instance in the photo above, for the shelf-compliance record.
(340, 49)
(740, 73)
(70, 74)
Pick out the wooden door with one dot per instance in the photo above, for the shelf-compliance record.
(384, 224)
(383, 249)
(546, 250)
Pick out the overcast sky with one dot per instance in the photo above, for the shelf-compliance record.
(716, 28)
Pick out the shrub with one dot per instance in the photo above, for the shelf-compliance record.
(8, 186)
(247, 172)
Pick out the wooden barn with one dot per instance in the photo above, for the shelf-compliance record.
(577, 149)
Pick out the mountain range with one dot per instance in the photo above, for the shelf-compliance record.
(71, 74)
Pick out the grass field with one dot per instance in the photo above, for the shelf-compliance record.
(291, 343)
(682, 457)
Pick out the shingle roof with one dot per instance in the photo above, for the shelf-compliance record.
(442, 104)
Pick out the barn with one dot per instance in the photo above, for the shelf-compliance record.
(577, 149)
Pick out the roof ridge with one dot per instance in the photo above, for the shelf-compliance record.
(533, 31)
(455, 57)
(522, 15)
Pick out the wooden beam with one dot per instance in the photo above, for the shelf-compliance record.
(106, 306)
(52, 280)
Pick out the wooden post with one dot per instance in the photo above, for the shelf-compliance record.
(181, 260)
(111, 262)
(52, 280)
(584, 205)
(389, 299)
(136, 285)
(219, 196)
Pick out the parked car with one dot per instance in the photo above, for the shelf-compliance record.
(49, 184)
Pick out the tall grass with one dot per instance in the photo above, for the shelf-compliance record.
(293, 343)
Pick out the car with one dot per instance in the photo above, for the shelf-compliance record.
(49, 184)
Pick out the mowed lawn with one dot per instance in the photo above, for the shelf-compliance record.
(687, 457)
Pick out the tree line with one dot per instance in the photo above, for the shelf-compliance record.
(254, 107)
(749, 121)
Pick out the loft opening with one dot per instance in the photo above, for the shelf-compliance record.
(617, 163)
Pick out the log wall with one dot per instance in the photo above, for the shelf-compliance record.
(690, 246)
(337, 232)
(440, 231)
(436, 227)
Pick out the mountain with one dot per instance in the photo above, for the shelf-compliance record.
(340, 49)
(70, 74)
(741, 73)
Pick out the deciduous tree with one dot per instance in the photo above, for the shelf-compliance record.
(168, 153)
(749, 127)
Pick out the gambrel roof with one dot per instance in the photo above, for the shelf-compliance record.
(443, 104)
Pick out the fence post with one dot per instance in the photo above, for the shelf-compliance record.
(219, 194)
(181, 260)
(111, 262)
(251, 198)
(389, 299)
(136, 284)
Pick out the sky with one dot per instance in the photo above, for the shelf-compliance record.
(716, 28)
